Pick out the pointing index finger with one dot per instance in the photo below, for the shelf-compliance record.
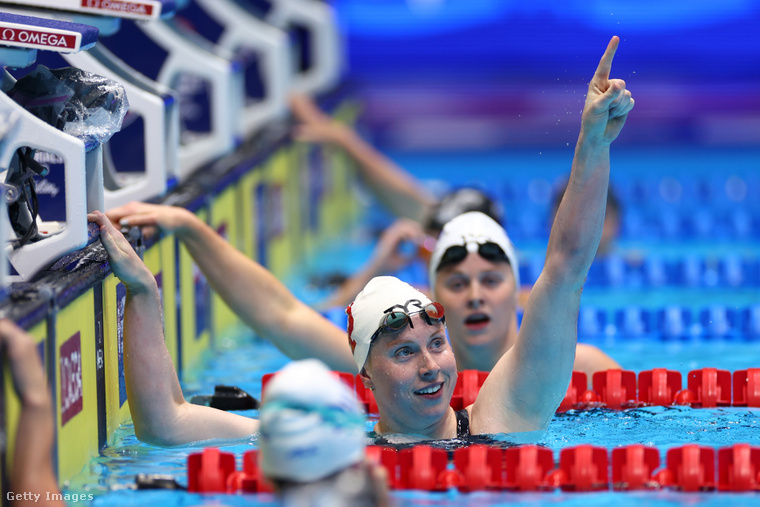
(605, 64)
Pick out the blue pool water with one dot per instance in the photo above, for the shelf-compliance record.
(109, 476)
(242, 360)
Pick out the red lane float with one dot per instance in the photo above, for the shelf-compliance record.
(388, 459)
(584, 468)
(422, 467)
(579, 396)
(351, 380)
(616, 388)
(659, 386)
(208, 471)
(688, 468)
(479, 467)
(747, 388)
(528, 468)
(252, 479)
(613, 389)
(739, 468)
(633, 467)
(366, 397)
(711, 387)
(692, 467)
(467, 388)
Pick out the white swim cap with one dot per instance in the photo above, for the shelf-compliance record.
(364, 314)
(471, 230)
(311, 424)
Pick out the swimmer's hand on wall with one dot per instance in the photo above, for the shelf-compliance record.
(607, 102)
(126, 264)
(169, 219)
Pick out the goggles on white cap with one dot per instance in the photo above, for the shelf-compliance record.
(398, 316)
(468, 233)
(311, 424)
(386, 305)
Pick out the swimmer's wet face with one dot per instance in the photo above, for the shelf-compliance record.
(480, 297)
(413, 373)
(474, 274)
(385, 303)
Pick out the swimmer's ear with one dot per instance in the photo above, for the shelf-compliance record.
(366, 380)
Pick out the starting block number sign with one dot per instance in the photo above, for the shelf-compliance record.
(28, 36)
(134, 9)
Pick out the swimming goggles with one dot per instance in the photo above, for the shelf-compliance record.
(334, 415)
(395, 320)
(456, 254)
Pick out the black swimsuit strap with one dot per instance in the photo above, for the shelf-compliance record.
(463, 424)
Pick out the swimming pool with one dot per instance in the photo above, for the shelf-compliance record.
(663, 427)
(241, 361)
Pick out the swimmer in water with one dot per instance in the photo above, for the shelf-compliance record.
(311, 427)
(313, 438)
(527, 382)
(474, 273)
(406, 241)
(31, 476)
(398, 336)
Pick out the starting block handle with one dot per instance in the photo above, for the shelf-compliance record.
(243, 30)
(198, 58)
(320, 20)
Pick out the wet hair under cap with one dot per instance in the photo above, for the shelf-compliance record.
(461, 201)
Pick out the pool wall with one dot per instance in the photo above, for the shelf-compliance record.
(260, 198)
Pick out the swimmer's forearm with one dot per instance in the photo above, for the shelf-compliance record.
(159, 411)
(262, 301)
(250, 290)
(527, 384)
(32, 465)
(531, 378)
(577, 227)
(152, 385)
(393, 186)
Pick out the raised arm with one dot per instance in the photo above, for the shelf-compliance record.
(32, 470)
(529, 381)
(250, 290)
(398, 190)
(160, 413)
